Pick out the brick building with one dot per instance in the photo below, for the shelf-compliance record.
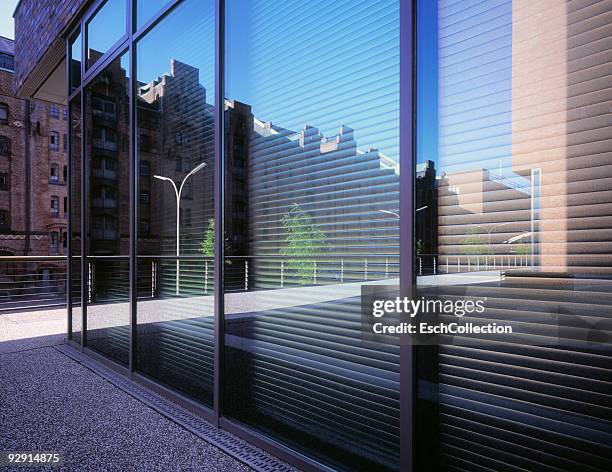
(33, 169)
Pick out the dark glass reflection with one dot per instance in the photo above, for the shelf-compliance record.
(108, 209)
(76, 201)
(146, 9)
(311, 214)
(76, 48)
(107, 26)
(175, 133)
(513, 175)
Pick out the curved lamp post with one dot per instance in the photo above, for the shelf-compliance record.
(177, 193)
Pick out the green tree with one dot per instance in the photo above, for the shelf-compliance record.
(521, 249)
(208, 244)
(474, 244)
(305, 242)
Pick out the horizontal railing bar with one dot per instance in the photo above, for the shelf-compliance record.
(33, 258)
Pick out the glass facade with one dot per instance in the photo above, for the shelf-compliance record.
(105, 28)
(513, 165)
(311, 202)
(235, 189)
(175, 105)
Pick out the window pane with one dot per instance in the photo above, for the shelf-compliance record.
(514, 172)
(146, 9)
(108, 213)
(312, 190)
(176, 95)
(105, 29)
(75, 62)
(75, 214)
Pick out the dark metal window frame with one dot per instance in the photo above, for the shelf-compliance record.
(127, 44)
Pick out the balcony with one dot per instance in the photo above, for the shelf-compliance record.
(46, 387)
(104, 145)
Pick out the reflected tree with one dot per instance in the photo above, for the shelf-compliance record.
(305, 242)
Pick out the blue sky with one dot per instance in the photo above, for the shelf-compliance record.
(7, 7)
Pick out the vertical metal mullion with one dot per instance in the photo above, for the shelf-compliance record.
(133, 258)
(407, 221)
(69, 197)
(84, 199)
(218, 206)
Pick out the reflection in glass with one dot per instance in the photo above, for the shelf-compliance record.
(514, 171)
(106, 27)
(108, 207)
(311, 214)
(75, 62)
(175, 129)
(146, 9)
(75, 214)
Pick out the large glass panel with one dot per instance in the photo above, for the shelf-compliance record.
(108, 209)
(146, 9)
(311, 216)
(175, 128)
(76, 201)
(107, 26)
(515, 177)
(76, 48)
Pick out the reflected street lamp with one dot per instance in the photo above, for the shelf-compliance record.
(178, 203)
(389, 212)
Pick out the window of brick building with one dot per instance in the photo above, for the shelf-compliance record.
(7, 62)
(54, 141)
(4, 113)
(5, 220)
(144, 197)
(145, 168)
(53, 242)
(65, 147)
(65, 172)
(65, 206)
(5, 146)
(65, 240)
(65, 113)
(54, 111)
(54, 206)
(4, 181)
(54, 173)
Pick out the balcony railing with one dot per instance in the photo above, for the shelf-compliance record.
(40, 282)
(32, 282)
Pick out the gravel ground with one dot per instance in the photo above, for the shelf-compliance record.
(48, 402)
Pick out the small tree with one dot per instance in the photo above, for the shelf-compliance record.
(474, 243)
(305, 241)
(208, 244)
(521, 249)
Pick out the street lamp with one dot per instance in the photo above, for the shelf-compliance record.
(490, 230)
(178, 203)
(389, 212)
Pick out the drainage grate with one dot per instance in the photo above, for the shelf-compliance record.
(230, 444)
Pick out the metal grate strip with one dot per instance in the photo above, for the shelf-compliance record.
(228, 443)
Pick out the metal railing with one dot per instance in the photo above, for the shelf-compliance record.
(32, 282)
(435, 264)
(29, 282)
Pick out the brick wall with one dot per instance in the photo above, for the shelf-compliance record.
(15, 239)
(38, 25)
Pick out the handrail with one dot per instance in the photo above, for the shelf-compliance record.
(33, 258)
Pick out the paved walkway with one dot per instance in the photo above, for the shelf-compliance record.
(49, 402)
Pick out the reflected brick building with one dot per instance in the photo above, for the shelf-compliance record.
(33, 169)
